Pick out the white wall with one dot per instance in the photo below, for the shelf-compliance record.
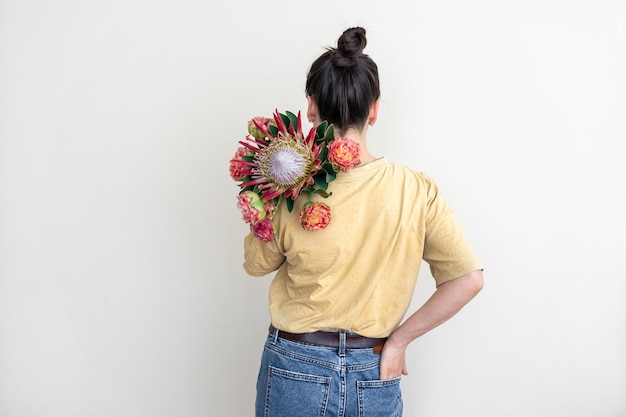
(121, 287)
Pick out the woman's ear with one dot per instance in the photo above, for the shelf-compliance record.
(373, 113)
(311, 112)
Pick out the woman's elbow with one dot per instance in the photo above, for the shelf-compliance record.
(475, 281)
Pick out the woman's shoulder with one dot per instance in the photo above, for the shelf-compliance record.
(406, 171)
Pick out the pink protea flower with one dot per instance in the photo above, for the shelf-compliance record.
(251, 207)
(315, 216)
(263, 229)
(238, 165)
(257, 132)
(344, 153)
(283, 164)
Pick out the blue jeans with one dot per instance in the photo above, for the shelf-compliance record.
(302, 380)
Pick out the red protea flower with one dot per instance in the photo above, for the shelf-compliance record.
(344, 153)
(315, 216)
(283, 163)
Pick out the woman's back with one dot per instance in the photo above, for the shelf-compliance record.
(358, 274)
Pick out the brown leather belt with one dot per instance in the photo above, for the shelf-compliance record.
(331, 339)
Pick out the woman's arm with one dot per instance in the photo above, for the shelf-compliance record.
(261, 258)
(445, 302)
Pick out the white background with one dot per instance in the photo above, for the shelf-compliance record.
(121, 287)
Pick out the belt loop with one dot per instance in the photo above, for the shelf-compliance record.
(275, 338)
(342, 343)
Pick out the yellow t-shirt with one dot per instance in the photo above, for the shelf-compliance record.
(359, 273)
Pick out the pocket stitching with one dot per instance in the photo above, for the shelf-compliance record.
(297, 376)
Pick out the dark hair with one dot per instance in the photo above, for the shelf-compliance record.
(343, 82)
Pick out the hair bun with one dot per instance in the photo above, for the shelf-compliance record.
(349, 47)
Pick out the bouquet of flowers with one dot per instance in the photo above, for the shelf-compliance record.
(277, 163)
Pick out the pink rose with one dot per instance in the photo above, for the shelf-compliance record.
(270, 208)
(315, 216)
(238, 165)
(251, 207)
(263, 230)
(344, 153)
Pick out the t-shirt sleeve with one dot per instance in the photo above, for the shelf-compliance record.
(261, 258)
(446, 248)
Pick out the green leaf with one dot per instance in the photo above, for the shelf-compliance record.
(320, 131)
(323, 193)
(323, 152)
(289, 203)
(328, 167)
(293, 119)
(273, 130)
(330, 133)
(330, 176)
(320, 181)
(285, 119)
(248, 158)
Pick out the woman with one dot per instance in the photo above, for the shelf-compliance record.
(337, 344)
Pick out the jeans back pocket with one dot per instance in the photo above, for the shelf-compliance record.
(380, 398)
(291, 393)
